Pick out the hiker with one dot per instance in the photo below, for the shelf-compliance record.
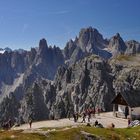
(89, 115)
(77, 116)
(69, 112)
(98, 111)
(30, 123)
(96, 123)
(51, 115)
(84, 117)
(93, 112)
(129, 121)
(126, 112)
(74, 116)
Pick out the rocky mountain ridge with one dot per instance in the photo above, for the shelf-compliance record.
(20, 70)
(48, 82)
(90, 41)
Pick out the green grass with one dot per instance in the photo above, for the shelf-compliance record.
(129, 133)
(107, 134)
(75, 134)
(18, 135)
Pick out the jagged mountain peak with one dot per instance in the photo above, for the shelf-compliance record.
(88, 30)
(43, 43)
(89, 41)
(117, 35)
(89, 36)
(43, 48)
(117, 45)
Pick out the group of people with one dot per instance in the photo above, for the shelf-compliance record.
(86, 113)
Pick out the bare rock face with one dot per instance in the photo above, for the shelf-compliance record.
(127, 81)
(85, 84)
(33, 105)
(9, 109)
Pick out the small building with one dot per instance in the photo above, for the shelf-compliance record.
(123, 100)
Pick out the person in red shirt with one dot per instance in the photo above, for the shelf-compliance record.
(98, 110)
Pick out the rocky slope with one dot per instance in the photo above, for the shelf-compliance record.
(127, 74)
(87, 83)
(90, 82)
(21, 69)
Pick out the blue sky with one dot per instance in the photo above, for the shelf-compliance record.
(24, 22)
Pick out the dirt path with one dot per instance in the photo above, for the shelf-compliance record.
(104, 118)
